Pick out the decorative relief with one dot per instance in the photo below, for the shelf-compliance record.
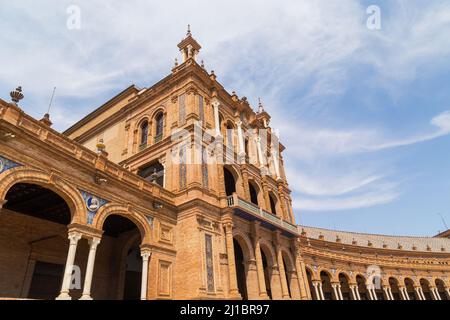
(6, 164)
(209, 263)
(164, 278)
(165, 234)
(93, 204)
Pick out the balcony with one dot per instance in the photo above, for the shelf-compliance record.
(158, 138)
(251, 212)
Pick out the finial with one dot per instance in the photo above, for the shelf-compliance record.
(176, 62)
(16, 95)
(203, 64)
(188, 31)
(101, 148)
(260, 106)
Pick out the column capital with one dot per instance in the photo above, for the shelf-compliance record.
(239, 123)
(3, 202)
(145, 254)
(94, 242)
(215, 103)
(74, 236)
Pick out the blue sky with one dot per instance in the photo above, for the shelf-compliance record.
(365, 114)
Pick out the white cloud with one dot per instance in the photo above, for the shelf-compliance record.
(258, 49)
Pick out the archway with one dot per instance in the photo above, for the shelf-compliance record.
(395, 289)
(362, 289)
(119, 249)
(273, 203)
(33, 241)
(230, 182)
(425, 285)
(240, 269)
(325, 277)
(345, 287)
(440, 285)
(253, 193)
(311, 286)
(409, 284)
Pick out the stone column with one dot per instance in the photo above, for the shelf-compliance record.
(321, 291)
(404, 293)
(435, 293)
(353, 289)
(390, 293)
(93, 243)
(276, 164)
(335, 291)
(417, 289)
(262, 163)
(284, 285)
(216, 105)
(386, 293)
(259, 263)
(316, 290)
(234, 292)
(144, 280)
(74, 237)
(241, 140)
(357, 292)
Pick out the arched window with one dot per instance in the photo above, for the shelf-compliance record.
(230, 182)
(273, 204)
(253, 193)
(159, 123)
(144, 134)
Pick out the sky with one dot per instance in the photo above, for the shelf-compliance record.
(363, 108)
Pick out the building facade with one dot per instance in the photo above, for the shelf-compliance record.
(178, 191)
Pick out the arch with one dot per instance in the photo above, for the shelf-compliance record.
(344, 281)
(232, 179)
(159, 119)
(440, 285)
(116, 209)
(274, 204)
(425, 285)
(325, 278)
(409, 285)
(394, 284)
(310, 279)
(361, 286)
(257, 198)
(246, 244)
(143, 133)
(70, 195)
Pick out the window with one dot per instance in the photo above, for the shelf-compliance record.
(159, 127)
(253, 194)
(153, 172)
(144, 134)
(273, 206)
(182, 109)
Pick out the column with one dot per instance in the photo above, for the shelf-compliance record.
(435, 293)
(231, 263)
(386, 293)
(284, 286)
(74, 237)
(260, 153)
(259, 263)
(93, 243)
(335, 291)
(353, 290)
(321, 291)
(369, 290)
(241, 139)
(417, 289)
(339, 289)
(301, 271)
(144, 280)
(215, 105)
(404, 293)
(357, 292)
(276, 164)
(390, 293)
(422, 294)
(316, 290)
(374, 293)
(447, 290)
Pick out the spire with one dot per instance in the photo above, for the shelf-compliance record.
(260, 106)
(189, 47)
